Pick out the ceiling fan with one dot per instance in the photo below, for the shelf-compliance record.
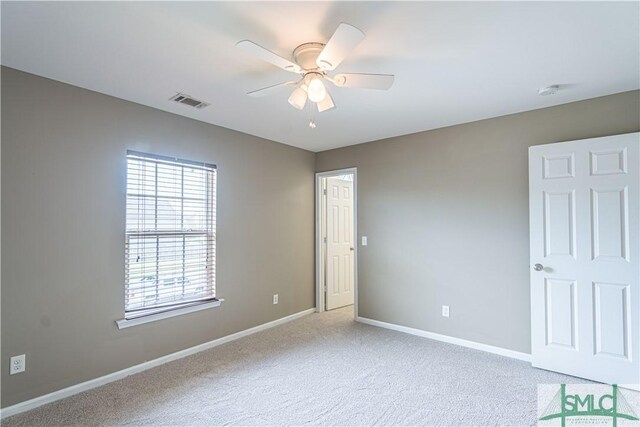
(314, 61)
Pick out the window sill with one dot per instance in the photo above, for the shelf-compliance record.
(127, 323)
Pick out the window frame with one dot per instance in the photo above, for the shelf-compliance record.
(138, 315)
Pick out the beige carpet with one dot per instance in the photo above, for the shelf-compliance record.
(323, 369)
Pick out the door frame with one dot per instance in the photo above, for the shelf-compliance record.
(319, 259)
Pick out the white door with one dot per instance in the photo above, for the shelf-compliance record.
(585, 233)
(340, 256)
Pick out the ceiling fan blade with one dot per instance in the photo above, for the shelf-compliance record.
(265, 91)
(364, 81)
(341, 43)
(258, 51)
(326, 104)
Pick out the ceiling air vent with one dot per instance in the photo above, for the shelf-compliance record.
(188, 100)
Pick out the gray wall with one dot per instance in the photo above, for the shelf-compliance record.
(445, 211)
(446, 215)
(63, 211)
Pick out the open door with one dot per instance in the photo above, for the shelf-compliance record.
(340, 245)
(584, 202)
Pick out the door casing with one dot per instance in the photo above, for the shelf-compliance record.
(320, 261)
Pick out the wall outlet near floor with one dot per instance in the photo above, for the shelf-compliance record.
(445, 311)
(18, 364)
(275, 298)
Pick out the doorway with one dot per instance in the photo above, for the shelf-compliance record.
(336, 237)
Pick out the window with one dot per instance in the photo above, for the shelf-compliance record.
(170, 234)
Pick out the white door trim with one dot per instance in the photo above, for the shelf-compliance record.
(320, 303)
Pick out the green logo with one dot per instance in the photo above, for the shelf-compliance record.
(564, 406)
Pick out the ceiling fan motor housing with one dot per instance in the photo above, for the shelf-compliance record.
(306, 54)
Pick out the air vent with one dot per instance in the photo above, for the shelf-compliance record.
(188, 100)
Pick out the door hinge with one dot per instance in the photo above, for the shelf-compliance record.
(324, 191)
(324, 239)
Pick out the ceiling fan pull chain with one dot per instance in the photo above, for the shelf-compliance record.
(312, 122)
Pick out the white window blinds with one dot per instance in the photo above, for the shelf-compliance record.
(170, 234)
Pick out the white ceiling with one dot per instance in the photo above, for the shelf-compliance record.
(454, 62)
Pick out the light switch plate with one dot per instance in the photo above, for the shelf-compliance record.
(364, 240)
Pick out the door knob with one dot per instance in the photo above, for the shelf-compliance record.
(538, 267)
(351, 249)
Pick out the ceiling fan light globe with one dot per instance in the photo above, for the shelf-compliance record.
(298, 98)
(325, 104)
(317, 91)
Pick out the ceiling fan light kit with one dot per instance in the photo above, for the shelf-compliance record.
(314, 61)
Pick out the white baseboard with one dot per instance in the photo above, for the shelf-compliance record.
(97, 382)
(451, 340)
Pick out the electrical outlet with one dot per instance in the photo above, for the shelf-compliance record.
(445, 311)
(364, 240)
(18, 364)
(275, 298)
